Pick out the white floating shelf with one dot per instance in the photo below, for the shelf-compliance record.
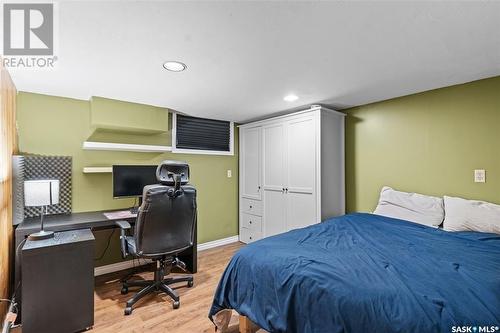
(109, 146)
(97, 169)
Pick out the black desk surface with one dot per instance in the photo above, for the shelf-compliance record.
(89, 220)
(60, 238)
(62, 222)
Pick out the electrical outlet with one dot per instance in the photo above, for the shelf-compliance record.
(229, 174)
(480, 176)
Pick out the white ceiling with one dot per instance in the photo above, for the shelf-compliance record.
(244, 57)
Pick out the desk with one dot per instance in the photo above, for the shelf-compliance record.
(86, 220)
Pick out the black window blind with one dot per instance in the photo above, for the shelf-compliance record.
(202, 134)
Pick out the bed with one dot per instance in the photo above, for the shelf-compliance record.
(365, 273)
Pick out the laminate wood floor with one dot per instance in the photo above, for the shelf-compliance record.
(154, 313)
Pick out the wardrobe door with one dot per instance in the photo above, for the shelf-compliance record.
(250, 163)
(300, 192)
(273, 178)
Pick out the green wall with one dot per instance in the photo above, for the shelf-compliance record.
(110, 114)
(429, 143)
(58, 126)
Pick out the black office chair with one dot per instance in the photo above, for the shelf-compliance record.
(164, 228)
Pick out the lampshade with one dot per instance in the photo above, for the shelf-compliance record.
(41, 192)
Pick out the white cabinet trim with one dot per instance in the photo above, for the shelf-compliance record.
(290, 115)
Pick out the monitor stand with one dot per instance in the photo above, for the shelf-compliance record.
(135, 209)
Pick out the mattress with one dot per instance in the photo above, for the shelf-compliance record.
(365, 273)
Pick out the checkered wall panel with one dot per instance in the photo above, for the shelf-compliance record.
(17, 189)
(48, 167)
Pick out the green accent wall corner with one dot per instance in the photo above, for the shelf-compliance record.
(119, 116)
(51, 125)
(429, 143)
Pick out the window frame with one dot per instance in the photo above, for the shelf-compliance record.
(176, 150)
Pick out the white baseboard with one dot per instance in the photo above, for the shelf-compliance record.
(119, 266)
(218, 242)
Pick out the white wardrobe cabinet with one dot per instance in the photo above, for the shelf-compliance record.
(291, 172)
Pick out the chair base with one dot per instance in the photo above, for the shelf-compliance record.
(159, 284)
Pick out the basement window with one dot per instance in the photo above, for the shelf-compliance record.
(192, 135)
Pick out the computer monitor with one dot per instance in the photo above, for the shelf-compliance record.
(129, 180)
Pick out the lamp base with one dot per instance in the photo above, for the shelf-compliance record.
(42, 234)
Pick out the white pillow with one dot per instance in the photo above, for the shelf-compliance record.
(412, 207)
(471, 215)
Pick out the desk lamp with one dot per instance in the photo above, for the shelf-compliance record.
(41, 193)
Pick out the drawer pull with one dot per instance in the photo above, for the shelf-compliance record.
(250, 222)
(250, 237)
(251, 206)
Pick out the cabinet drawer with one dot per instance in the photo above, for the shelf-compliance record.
(250, 206)
(249, 235)
(251, 222)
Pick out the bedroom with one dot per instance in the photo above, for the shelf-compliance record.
(296, 166)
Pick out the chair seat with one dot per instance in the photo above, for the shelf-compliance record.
(131, 248)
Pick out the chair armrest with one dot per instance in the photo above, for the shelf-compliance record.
(123, 225)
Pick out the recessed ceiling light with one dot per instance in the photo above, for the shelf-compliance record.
(174, 66)
(291, 98)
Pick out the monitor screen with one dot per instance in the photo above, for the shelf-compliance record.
(129, 180)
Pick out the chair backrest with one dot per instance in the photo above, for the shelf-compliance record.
(172, 173)
(166, 220)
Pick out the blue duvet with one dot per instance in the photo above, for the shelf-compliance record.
(365, 273)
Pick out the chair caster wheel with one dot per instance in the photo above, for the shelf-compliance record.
(176, 304)
(190, 284)
(128, 310)
(124, 291)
